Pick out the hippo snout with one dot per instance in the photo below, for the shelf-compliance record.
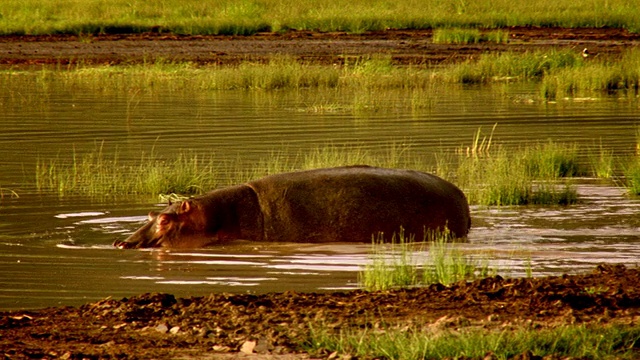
(123, 244)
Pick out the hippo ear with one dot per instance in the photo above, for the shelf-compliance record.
(185, 207)
(152, 215)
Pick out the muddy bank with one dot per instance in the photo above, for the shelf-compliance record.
(404, 46)
(162, 326)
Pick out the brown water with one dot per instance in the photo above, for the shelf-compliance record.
(57, 251)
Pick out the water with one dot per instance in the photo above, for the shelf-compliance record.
(57, 251)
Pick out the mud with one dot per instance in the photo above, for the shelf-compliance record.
(275, 325)
(404, 46)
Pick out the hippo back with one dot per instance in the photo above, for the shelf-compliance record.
(353, 203)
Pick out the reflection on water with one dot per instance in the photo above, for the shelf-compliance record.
(57, 251)
(73, 262)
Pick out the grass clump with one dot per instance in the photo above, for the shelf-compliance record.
(96, 174)
(568, 341)
(594, 76)
(511, 66)
(397, 264)
(490, 174)
(468, 36)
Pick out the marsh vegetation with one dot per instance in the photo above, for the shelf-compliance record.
(251, 16)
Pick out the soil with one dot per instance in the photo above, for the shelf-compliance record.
(273, 326)
(404, 46)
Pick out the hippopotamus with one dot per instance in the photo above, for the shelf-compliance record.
(341, 204)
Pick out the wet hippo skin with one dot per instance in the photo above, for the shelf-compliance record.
(342, 204)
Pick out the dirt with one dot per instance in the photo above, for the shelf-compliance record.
(404, 46)
(275, 325)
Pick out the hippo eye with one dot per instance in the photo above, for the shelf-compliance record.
(163, 220)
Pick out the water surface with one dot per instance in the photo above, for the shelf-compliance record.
(57, 251)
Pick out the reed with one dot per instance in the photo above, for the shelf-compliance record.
(96, 174)
(250, 16)
(602, 163)
(468, 36)
(559, 73)
(533, 65)
(594, 76)
(398, 263)
(632, 177)
(491, 174)
(430, 342)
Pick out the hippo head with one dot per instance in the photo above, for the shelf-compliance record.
(179, 225)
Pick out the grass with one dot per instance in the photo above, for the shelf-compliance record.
(397, 264)
(593, 76)
(250, 16)
(488, 172)
(491, 174)
(570, 341)
(533, 65)
(96, 174)
(560, 74)
(468, 36)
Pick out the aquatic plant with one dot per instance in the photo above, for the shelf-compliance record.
(491, 174)
(594, 76)
(95, 174)
(397, 263)
(532, 65)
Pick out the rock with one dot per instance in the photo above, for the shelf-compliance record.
(247, 347)
(162, 328)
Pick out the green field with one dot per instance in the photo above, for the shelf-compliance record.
(251, 16)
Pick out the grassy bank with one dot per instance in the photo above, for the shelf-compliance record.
(251, 16)
(571, 341)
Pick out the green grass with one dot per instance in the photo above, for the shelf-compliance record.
(568, 341)
(96, 174)
(488, 172)
(396, 264)
(594, 76)
(251, 16)
(468, 36)
(534, 65)
(559, 73)
(491, 174)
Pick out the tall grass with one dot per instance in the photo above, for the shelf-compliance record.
(488, 172)
(560, 73)
(250, 16)
(594, 76)
(468, 36)
(568, 341)
(96, 174)
(491, 174)
(397, 264)
(511, 66)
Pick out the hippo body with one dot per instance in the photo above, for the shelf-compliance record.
(343, 204)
